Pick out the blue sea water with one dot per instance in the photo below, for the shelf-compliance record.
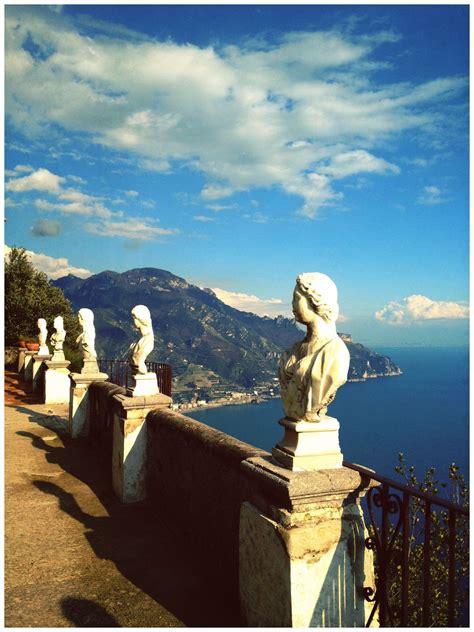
(423, 413)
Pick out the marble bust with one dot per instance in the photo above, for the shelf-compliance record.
(57, 339)
(313, 369)
(86, 340)
(144, 346)
(42, 337)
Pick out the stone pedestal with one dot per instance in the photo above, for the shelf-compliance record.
(90, 367)
(56, 382)
(39, 369)
(28, 365)
(303, 561)
(129, 444)
(21, 359)
(78, 422)
(309, 445)
(143, 385)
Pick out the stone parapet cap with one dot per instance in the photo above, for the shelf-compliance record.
(88, 378)
(43, 358)
(278, 486)
(30, 353)
(57, 364)
(147, 401)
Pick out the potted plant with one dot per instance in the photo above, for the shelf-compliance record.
(32, 344)
(22, 342)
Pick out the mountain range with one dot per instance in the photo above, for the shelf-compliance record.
(193, 328)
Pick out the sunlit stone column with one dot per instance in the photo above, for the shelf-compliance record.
(78, 422)
(28, 365)
(129, 443)
(303, 561)
(39, 369)
(21, 359)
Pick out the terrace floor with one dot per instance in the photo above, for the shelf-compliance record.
(74, 555)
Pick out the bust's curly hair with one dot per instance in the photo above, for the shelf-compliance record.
(321, 293)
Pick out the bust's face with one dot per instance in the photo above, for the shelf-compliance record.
(302, 310)
(136, 322)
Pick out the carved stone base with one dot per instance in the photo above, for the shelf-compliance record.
(309, 445)
(143, 385)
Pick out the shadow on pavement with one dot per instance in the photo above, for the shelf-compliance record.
(144, 546)
(84, 613)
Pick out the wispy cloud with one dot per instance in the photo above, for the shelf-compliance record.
(135, 229)
(301, 113)
(203, 218)
(431, 196)
(54, 268)
(419, 308)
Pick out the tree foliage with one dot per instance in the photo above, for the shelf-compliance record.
(29, 296)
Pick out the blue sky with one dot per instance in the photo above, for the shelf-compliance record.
(238, 146)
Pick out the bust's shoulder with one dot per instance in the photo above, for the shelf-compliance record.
(336, 345)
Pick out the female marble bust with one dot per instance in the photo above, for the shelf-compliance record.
(59, 335)
(86, 340)
(140, 350)
(42, 337)
(313, 369)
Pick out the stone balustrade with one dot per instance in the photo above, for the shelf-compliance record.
(289, 545)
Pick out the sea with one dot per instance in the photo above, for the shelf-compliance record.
(423, 413)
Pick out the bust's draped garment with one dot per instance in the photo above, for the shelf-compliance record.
(309, 384)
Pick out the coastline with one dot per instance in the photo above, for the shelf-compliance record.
(255, 400)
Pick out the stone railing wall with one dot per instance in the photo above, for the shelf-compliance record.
(196, 473)
(101, 414)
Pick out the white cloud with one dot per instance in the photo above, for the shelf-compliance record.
(257, 115)
(251, 303)
(131, 194)
(54, 268)
(431, 196)
(40, 180)
(135, 229)
(418, 308)
(358, 161)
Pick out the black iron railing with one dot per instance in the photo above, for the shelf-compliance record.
(120, 373)
(420, 544)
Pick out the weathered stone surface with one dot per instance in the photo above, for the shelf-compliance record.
(309, 576)
(56, 382)
(305, 532)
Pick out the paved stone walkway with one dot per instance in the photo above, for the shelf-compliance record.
(76, 557)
